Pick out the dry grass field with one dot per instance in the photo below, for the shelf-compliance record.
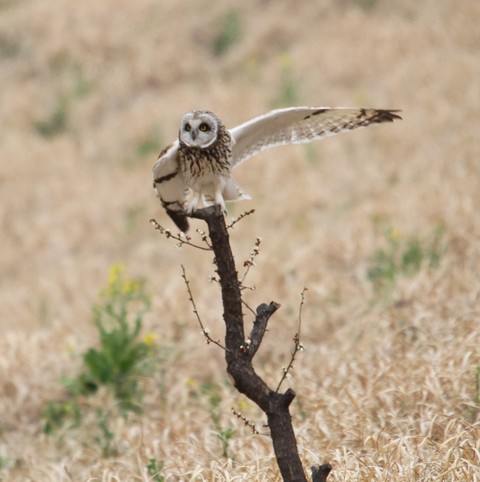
(381, 225)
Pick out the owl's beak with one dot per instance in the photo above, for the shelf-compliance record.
(193, 135)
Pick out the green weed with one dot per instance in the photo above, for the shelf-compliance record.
(121, 358)
(105, 438)
(119, 361)
(56, 121)
(154, 467)
(366, 5)
(403, 257)
(212, 393)
(229, 32)
(56, 414)
(148, 146)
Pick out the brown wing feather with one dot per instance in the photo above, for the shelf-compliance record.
(300, 125)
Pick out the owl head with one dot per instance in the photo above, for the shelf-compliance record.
(199, 129)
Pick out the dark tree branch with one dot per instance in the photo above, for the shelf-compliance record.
(320, 472)
(264, 312)
(239, 353)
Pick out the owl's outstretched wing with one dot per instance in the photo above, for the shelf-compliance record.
(170, 187)
(297, 125)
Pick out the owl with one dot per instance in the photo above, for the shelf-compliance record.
(197, 167)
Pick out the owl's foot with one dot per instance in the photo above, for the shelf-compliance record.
(193, 204)
(219, 200)
(209, 201)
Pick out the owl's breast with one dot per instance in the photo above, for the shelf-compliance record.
(198, 165)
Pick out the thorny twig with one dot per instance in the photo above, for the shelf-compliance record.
(247, 423)
(181, 238)
(296, 340)
(205, 332)
(251, 261)
(243, 215)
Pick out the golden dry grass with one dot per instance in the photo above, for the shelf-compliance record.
(386, 387)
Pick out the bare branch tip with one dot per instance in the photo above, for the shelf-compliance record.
(239, 218)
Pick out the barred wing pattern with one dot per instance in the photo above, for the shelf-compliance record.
(293, 125)
(170, 186)
(296, 125)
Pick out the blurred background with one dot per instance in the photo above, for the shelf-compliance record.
(91, 92)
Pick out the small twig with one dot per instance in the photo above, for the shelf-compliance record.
(205, 332)
(204, 236)
(247, 423)
(249, 308)
(251, 261)
(296, 340)
(181, 240)
(251, 288)
(243, 215)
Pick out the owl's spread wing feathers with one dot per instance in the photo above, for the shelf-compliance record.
(170, 186)
(297, 125)
(283, 126)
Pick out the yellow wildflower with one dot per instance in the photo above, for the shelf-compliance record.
(149, 339)
(130, 287)
(114, 273)
(394, 233)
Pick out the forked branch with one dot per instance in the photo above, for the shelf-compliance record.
(240, 351)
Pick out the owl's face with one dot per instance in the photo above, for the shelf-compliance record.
(198, 129)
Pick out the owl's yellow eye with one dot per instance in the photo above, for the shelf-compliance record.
(203, 127)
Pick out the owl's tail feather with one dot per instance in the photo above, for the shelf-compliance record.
(233, 192)
(179, 218)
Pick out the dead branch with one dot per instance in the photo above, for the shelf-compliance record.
(240, 352)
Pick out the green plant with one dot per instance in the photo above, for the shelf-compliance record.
(154, 467)
(403, 257)
(56, 121)
(229, 32)
(212, 393)
(56, 414)
(366, 5)
(117, 363)
(121, 357)
(148, 146)
(224, 435)
(106, 437)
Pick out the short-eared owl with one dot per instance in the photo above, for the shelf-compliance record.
(201, 160)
